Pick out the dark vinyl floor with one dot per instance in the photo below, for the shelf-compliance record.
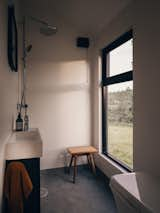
(90, 194)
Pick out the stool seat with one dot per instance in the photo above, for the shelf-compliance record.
(79, 151)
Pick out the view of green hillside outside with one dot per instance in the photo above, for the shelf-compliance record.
(120, 122)
(122, 149)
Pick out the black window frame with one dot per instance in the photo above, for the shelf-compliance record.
(119, 78)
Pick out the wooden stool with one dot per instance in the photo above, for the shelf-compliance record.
(79, 151)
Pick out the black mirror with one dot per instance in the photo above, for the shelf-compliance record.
(12, 40)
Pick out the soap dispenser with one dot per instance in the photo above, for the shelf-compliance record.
(19, 123)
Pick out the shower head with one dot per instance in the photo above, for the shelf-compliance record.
(48, 30)
(45, 29)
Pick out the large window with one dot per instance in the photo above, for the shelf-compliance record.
(117, 100)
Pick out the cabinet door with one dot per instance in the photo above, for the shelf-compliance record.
(32, 204)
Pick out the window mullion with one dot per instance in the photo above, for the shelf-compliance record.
(128, 76)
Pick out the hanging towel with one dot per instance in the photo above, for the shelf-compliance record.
(17, 186)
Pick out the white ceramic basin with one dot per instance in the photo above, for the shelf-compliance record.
(24, 145)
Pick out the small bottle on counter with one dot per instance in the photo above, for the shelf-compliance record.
(26, 123)
(26, 119)
(19, 123)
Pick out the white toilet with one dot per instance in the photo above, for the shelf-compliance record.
(136, 193)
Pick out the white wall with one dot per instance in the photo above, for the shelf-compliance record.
(8, 90)
(147, 87)
(58, 87)
(143, 17)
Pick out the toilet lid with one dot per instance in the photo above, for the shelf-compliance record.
(140, 188)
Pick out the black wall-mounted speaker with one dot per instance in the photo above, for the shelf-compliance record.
(83, 42)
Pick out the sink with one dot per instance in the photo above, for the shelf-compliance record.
(24, 145)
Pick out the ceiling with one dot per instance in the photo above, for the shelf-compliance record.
(88, 16)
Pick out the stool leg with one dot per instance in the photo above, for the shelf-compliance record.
(89, 161)
(93, 164)
(75, 169)
(70, 164)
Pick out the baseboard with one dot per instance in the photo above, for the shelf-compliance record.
(65, 168)
(99, 172)
(58, 159)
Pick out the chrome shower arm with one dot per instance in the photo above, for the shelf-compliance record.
(41, 22)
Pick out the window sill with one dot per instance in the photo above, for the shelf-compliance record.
(108, 166)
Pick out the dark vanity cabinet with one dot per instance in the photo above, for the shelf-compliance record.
(32, 204)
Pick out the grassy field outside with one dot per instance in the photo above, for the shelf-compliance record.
(120, 143)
